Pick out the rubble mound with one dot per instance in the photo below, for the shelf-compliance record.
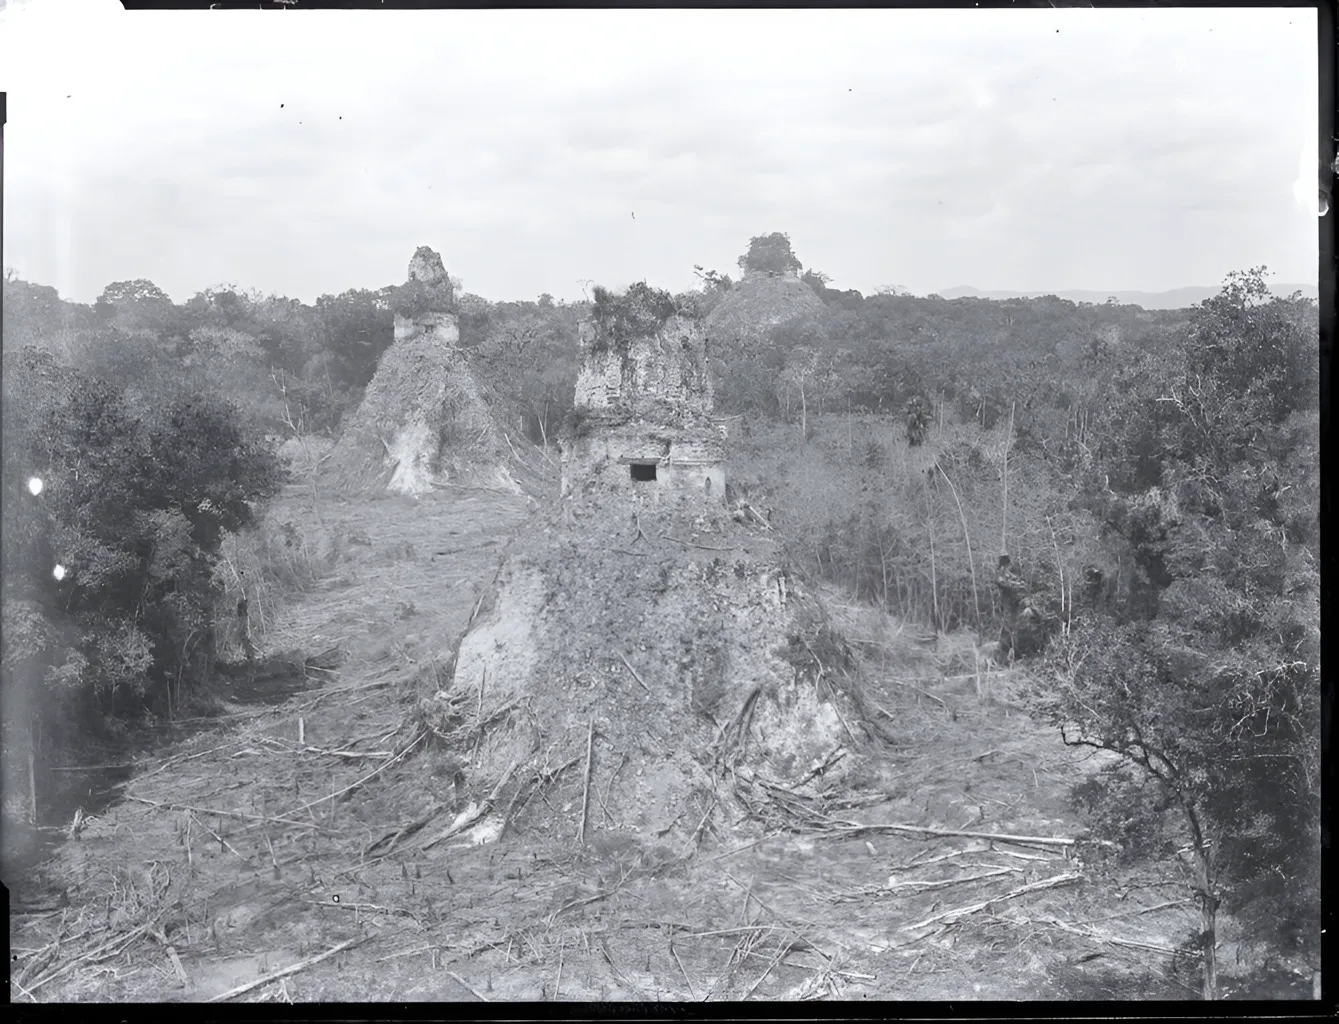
(645, 660)
(427, 418)
(646, 679)
(760, 301)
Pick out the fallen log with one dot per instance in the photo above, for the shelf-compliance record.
(853, 829)
(949, 916)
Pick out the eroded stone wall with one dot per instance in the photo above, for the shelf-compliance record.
(662, 377)
(647, 402)
(426, 269)
(443, 328)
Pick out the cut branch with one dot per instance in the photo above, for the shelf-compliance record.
(949, 916)
(585, 792)
(635, 676)
(275, 975)
(853, 829)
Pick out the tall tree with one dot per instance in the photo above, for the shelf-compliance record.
(770, 254)
(137, 306)
(1212, 701)
(358, 327)
(798, 376)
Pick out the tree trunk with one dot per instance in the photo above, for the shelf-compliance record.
(967, 540)
(1004, 474)
(244, 630)
(210, 654)
(804, 416)
(1209, 936)
(1206, 892)
(934, 587)
(32, 774)
(883, 572)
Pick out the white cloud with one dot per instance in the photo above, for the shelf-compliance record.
(927, 147)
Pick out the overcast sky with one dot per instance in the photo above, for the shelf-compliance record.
(310, 152)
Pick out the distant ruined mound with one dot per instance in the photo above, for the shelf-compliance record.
(645, 658)
(761, 301)
(426, 418)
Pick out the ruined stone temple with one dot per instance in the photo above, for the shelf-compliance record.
(643, 411)
(426, 418)
(640, 628)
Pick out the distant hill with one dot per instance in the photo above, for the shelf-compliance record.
(1177, 298)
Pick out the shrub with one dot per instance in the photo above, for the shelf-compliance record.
(619, 319)
(134, 510)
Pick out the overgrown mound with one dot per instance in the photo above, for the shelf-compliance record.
(755, 305)
(426, 419)
(653, 679)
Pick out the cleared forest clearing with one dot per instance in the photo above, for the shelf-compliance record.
(281, 853)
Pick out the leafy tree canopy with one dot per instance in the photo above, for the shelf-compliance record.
(640, 311)
(770, 254)
(1212, 693)
(134, 505)
(139, 290)
(712, 280)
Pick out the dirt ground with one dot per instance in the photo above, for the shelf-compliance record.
(276, 855)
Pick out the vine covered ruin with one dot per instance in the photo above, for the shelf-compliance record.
(427, 418)
(643, 422)
(641, 629)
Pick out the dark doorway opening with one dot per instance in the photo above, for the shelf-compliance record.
(643, 470)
